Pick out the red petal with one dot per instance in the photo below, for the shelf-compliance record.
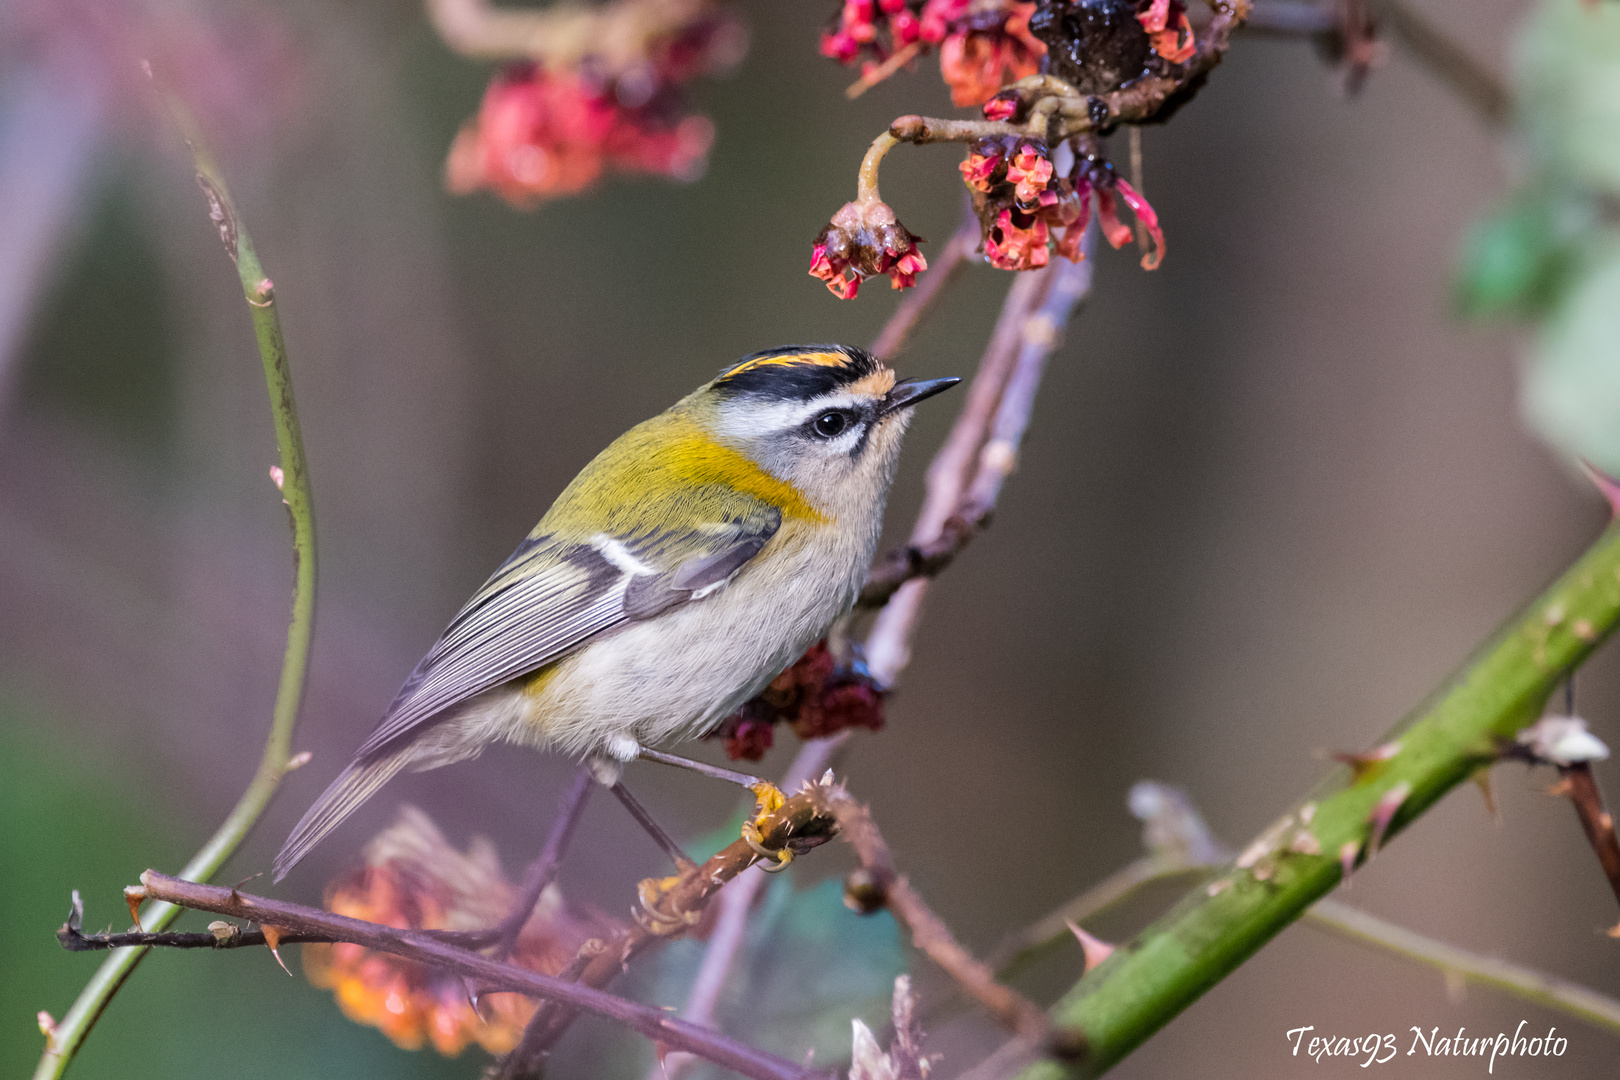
(1150, 221)
(1115, 231)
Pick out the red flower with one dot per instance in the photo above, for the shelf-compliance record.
(1095, 178)
(863, 240)
(1169, 32)
(1027, 211)
(540, 135)
(1017, 241)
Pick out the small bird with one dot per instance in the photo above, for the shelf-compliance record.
(686, 567)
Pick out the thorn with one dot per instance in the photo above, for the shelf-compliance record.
(1096, 949)
(1347, 859)
(1383, 814)
(1305, 843)
(133, 895)
(473, 997)
(47, 1028)
(1607, 485)
(1561, 789)
(1362, 763)
(1482, 780)
(661, 1049)
(827, 778)
(244, 881)
(1306, 813)
(1218, 887)
(1614, 931)
(272, 938)
(297, 761)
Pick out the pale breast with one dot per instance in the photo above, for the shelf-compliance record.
(677, 675)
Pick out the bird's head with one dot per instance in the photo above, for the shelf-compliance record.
(827, 419)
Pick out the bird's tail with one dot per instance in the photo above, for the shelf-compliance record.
(353, 786)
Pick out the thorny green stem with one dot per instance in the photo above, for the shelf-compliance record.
(276, 762)
(1460, 729)
(1546, 990)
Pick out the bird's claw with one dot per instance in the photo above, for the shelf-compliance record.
(655, 914)
(776, 859)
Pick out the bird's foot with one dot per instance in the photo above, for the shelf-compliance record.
(770, 801)
(658, 915)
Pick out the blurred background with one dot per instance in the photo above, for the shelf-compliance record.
(1272, 494)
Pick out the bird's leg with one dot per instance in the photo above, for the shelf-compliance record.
(769, 800)
(656, 831)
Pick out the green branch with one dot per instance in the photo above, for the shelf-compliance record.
(293, 479)
(1300, 858)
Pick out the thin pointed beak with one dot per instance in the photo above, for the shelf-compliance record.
(907, 393)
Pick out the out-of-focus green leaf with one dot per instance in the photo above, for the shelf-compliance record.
(1568, 63)
(809, 964)
(1572, 387)
(1520, 261)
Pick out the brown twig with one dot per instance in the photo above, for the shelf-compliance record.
(1468, 77)
(884, 887)
(1577, 782)
(731, 922)
(965, 478)
(668, 908)
(295, 920)
(616, 34)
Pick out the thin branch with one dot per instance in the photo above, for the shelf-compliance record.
(887, 888)
(1522, 982)
(412, 945)
(669, 908)
(965, 478)
(735, 903)
(1472, 80)
(1581, 786)
(1452, 64)
(292, 477)
(617, 34)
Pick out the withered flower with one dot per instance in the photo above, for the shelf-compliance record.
(817, 697)
(985, 47)
(412, 878)
(864, 239)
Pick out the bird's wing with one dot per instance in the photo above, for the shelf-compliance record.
(552, 596)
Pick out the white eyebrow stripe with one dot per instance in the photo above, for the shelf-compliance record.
(760, 418)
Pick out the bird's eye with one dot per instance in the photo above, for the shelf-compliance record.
(830, 424)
